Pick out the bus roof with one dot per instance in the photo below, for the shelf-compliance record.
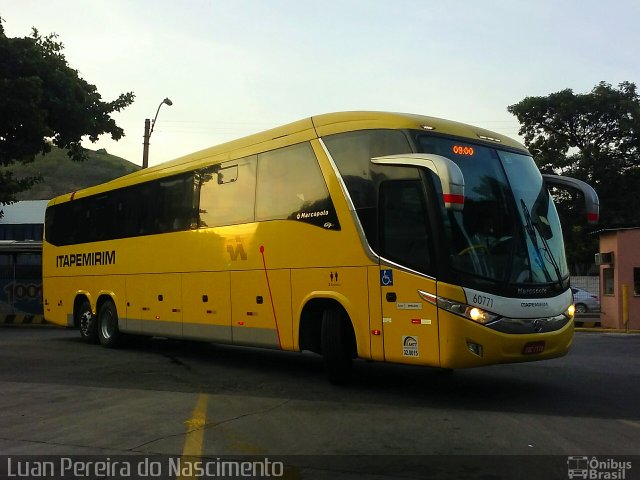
(296, 132)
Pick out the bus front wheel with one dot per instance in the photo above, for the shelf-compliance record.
(87, 323)
(108, 332)
(336, 346)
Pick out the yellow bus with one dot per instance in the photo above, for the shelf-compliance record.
(382, 236)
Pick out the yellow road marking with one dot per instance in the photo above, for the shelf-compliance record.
(194, 436)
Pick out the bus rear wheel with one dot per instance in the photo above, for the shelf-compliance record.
(87, 322)
(337, 348)
(108, 331)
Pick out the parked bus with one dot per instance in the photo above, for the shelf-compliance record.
(381, 236)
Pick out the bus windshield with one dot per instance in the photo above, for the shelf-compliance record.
(509, 230)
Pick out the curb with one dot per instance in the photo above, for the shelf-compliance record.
(606, 330)
(589, 324)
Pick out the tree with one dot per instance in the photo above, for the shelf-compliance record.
(44, 102)
(595, 137)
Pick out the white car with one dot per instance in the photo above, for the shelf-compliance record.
(585, 301)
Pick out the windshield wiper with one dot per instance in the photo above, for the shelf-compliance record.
(531, 229)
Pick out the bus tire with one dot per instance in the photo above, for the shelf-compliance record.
(336, 346)
(87, 323)
(108, 331)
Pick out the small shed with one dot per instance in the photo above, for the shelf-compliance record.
(619, 262)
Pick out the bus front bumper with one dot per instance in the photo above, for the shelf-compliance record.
(464, 343)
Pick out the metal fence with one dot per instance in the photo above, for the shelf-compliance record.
(588, 283)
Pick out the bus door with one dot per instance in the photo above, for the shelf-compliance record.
(410, 324)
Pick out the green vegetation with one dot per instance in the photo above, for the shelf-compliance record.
(61, 175)
(44, 103)
(594, 137)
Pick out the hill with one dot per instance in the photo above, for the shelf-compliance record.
(62, 175)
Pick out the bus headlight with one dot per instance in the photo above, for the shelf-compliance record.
(478, 315)
(470, 312)
(570, 312)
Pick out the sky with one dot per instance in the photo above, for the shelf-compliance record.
(236, 67)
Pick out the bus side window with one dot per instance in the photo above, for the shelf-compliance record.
(175, 204)
(227, 193)
(291, 186)
(352, 153)
(404, 231)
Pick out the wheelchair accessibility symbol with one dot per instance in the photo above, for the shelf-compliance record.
(386, 278)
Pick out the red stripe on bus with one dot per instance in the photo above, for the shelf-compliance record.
(273, 307)
(451, 198)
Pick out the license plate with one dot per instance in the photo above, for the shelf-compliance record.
(532, 348)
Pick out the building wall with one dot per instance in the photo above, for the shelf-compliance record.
(629, 246)
(626, 247)
(21, 227)
(20, 284)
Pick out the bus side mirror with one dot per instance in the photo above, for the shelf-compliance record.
(591, 200)
(450, 175)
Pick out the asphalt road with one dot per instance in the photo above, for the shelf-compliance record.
(159, 397)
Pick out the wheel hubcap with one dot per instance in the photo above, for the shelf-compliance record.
(85, 321)
(107, 325)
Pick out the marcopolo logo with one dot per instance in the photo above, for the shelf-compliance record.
(593, 468)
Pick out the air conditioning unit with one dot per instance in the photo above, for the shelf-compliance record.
(604, 258)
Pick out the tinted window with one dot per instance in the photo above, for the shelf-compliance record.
(291, 186)
(608, 280)
(174, 204)
(161, 206)
(101, 221)
(509, 229)
(477, 235)
(227, 193)
(404, 233)
(352, 152)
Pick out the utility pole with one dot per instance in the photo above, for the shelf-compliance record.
(148, 130)
(145, 143)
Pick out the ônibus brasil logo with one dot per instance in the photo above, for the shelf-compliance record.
(593, 468)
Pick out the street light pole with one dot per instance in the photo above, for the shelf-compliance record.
(145, 143)
(148, 130)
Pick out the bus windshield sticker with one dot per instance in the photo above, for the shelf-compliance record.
(323, 217)
(333, 280)
(386, 278)
(410, 346)
(421, 321)
(409, 306)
